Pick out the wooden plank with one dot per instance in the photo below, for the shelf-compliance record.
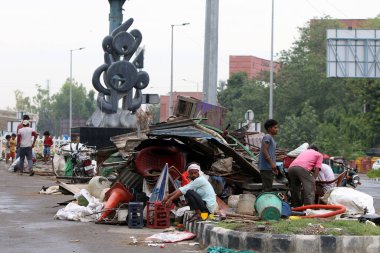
(73, 188)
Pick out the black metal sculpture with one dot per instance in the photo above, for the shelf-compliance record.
(122, 78)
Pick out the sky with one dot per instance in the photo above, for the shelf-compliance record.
(37, 36)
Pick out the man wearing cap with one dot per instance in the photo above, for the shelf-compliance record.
(25, 145)
(199, 193)
(19, 126)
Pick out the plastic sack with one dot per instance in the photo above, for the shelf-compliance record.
(59, 165)
(73, 211)
(69, 168)
(171, 236)
(297, 151)
(97, 184)
(354, 201)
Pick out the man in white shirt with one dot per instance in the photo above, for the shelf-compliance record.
(199, 193)
(25, 144)
(326, 174)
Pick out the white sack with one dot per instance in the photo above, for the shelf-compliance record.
(354, 200)
(297, 151)
(73, 211)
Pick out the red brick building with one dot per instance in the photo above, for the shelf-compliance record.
(251, 65)
(165, 100)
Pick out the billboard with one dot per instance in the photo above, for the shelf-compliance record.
(353, 53)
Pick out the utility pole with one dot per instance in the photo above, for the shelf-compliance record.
(210, 65)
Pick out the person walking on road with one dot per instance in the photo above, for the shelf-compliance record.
(302, 174)
(267, 156)
(26, 145)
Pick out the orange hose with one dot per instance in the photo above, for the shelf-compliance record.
(338, 210)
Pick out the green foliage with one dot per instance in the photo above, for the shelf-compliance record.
(83, 103)
(373, 173)
(337, 227)
(229, 225)
(242, 95)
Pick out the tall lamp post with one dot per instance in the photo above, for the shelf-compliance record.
(271, 68)
(71, 83)
(171, 72)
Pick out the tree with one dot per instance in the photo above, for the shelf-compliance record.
(83, 103)
(241, 95)
(42, 103)
(23, 104)
(299, 129)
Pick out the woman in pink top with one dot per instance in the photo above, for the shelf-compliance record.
(302, 173)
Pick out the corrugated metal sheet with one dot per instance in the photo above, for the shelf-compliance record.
(182, 132)
(130, 178)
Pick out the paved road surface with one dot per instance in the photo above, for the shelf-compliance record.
(27, 224)
(372, 188)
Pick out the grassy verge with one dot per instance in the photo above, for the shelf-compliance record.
(373, 173)
(307, 226)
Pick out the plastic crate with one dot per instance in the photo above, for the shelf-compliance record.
(287, 161)
(157, 215)
(135, 215)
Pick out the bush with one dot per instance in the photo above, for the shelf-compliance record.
(373, 173)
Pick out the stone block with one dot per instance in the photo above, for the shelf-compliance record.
(281, 243)
(303, 243)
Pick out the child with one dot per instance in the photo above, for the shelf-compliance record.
(48, 142)
(7, 148)
(13, 146)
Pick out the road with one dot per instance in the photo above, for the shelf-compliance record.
(372, 188)
(27, 224)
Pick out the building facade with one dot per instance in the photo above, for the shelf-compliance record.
(252, 65)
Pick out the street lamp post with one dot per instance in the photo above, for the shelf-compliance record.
(171, 71)
(271, 69)
(71, 83)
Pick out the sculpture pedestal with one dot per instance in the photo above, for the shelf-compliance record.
(97, 136)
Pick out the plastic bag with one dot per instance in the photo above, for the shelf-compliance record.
(69, 168)
(171, 236)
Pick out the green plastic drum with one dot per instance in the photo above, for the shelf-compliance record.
(268, 206)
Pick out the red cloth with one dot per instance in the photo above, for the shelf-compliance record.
(19, 126)
(184, 178)
(48, 141)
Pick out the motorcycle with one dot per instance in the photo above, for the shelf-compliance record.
(78, 162)
(351, 179)
(81, 162)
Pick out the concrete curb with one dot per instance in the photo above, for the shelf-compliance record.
(210, 235)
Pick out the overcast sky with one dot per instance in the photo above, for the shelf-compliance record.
(37, 35)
